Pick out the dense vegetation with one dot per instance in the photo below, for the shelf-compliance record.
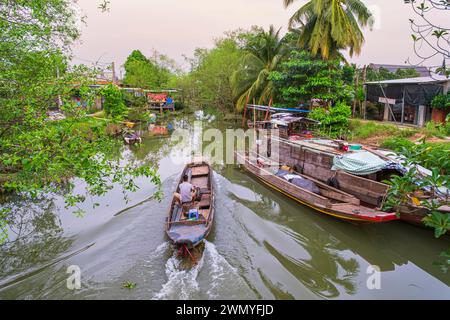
(155, 73)
(38, 155)
(304, 67)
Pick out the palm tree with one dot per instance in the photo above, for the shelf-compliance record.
(263, 52)
(327, 26)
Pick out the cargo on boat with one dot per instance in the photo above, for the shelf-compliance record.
(353, 168)
(189, 223)
(311, 192)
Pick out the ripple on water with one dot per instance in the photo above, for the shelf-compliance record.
(211, 278)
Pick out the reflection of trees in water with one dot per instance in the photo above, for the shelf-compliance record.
(34, 234)
(327, 269)
(154, 148)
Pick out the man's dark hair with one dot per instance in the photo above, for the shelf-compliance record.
(185, 178)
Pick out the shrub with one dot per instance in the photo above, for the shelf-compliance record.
(114, 104)
(430, 155)
(433, 129)
(396, 144)
(441, 102)
(132, 101)
(333, 121)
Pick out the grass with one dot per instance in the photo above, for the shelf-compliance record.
(99, 114)
(437, 130)
(376, 133)
(367, 129)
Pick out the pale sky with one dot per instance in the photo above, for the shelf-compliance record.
(177, 27)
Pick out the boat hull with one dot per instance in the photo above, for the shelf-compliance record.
(191, 233)
(349, 211)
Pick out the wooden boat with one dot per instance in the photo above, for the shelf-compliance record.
(132, 138)
(330, 201)
(316, 160)
(191, 232)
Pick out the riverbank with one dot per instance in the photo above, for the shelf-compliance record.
(263, 245)
(376, 133)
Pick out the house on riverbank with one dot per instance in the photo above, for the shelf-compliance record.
(404, 101)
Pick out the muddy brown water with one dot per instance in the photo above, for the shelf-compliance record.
(262, 246)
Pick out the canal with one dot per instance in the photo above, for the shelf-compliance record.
(263, 245)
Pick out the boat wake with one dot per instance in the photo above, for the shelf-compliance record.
(208, 279)
(181, 284)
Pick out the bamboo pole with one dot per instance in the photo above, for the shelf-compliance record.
(245, 112)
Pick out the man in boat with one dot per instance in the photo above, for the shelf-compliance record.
(187, 194)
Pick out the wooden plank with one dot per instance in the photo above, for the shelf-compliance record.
(288, 187)
(200, 181)
(200, 171)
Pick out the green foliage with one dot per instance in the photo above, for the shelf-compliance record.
(397, 144)
(444, 261)
(441, 102)
(301, 78)
(263, 51)
(113, 103)
(402, 189)
(209, 82)
(334, 122)
(3, 224)
(384, 74)
(37, 155)
(133, 101)
(328, 26)
(141, 72)
(364, 130)
(129, 285)
(433, 129)
(440, 222)
(429, 155)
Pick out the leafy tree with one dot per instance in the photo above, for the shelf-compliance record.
(209, 82)
(441, 101)
(302, 78)
(263, 52)
(37, 155)
(384, 74)
(327, 26)
(142, 72)
(113, 103)
(334, 121)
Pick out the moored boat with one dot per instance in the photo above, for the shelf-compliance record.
(315, 194)
(187, 225)
(364, 178)
(132, 138)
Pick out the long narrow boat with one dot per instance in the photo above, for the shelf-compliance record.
(328, 200)
(191, 232)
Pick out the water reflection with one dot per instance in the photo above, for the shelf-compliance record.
(330, 267)
(263, 245)
(34, 235)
